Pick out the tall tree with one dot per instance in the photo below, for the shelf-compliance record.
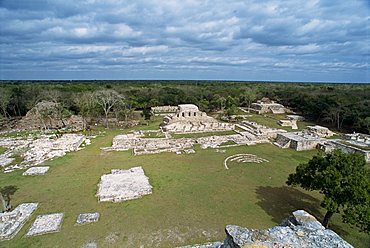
(344, 180)
(86, 104)
(106, 99)
(5, 96)
(5, 193)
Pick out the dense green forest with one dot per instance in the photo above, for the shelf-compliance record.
(344, 107)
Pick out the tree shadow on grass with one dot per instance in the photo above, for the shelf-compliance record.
(280, 202)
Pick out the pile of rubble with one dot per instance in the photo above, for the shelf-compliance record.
(299, 230)
(12, 222)
(123, 185)
(36, 151)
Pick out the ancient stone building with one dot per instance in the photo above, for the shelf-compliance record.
(188, 118)
(266, 105)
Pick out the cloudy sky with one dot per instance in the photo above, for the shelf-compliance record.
(286, 40)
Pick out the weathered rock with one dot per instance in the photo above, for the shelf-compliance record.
(299, 230)
(12, 222)
(41, 170)
(47, 223)
(123, 185)
(87, 218)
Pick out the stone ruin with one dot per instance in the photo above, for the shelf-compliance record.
(41, 170)
(46, 115)
(141, 145)
(12, 222)
(265, 105)
(258, 132)
(244, 158)
(297, 231)
(47, 223)
(36, 151)
(299, 141)
(163, 110)
(87, 218)
(123, 185)
(288, 123)
(251, 134)
(188, 119)
(319, 131)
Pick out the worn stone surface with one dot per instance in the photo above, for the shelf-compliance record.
(301, 230)
(87, 218)
(12, 222)
(41, 170)
(123, 185)
(206, 245)
(47, 223)
(90, 244)
(37, 151)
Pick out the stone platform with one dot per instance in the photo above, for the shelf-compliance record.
(124, 185)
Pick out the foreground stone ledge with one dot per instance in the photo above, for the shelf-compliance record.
(301, 230)
(12, 222)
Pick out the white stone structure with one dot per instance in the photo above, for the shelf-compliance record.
(299, 141)
(319, 131)
(289, 123)
(47, 223)
(37, 151)
(159, 110)
(258, 132)
(123, 185)
(41, 170)
(266, 105)
(188, 119)
(87, 218)
(12, 222)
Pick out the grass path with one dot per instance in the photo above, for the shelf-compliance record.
(193, 198)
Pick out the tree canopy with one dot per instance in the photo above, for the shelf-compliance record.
(344, 180)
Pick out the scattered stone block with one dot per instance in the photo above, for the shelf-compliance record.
(87, 218)
(36, 171)
(12, 222)
(47, 223)
(188, 151)
(123, 185)
(90, 244)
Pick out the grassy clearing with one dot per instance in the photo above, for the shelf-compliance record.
(198, 135)
(193, 198)
(2, 149)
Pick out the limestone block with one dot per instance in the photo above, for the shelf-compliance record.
(47, 223)
(36, 171)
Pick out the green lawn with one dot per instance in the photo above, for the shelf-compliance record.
(193, 198)
(2, 149)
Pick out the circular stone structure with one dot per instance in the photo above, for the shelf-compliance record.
(244, 158)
